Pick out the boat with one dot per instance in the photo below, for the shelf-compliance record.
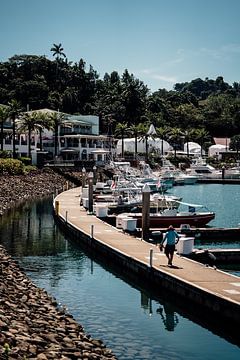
(172, 216)
(200, 168)
(124, 199)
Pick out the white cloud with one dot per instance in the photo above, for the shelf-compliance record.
(168, 79)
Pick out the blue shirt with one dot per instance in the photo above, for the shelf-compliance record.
(171, 236)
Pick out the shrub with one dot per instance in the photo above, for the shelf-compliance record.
(5, 154)
(11, 167)
(25, 160)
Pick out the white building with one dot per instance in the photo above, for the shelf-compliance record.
(78, 139)
(156, 144)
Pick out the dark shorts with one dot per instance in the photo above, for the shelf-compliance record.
(169, 249)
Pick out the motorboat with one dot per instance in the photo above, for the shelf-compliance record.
(172, 216)
(203, 170)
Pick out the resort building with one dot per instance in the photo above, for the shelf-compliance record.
(78, 139)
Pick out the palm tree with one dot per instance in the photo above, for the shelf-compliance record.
(28, 122)
(235, 143)
(15, 109)
(58, 51)
(202, 136)
(4, 113)
(135, 131)
(121, 130)
(44, 123)
(175, 136)
(143, 129)
(57, 119)
(188, 134)
(163, 132)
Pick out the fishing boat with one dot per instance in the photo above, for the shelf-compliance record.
(172, 216)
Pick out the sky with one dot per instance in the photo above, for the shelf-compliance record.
(160, 42)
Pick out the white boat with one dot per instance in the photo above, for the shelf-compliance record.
(205, 171)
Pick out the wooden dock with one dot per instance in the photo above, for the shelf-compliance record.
(204, 289)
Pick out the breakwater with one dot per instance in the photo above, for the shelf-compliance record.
(18, 188)
(34, 327)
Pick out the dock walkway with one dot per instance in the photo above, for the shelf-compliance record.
(206, 286)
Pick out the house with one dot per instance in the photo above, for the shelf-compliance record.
(78, 139)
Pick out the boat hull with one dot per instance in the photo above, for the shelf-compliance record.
(162, 221)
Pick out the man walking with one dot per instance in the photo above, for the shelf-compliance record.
(172, 238)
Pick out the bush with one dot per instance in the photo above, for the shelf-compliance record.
(5, 154)
(30, 168)
(11, 167)
(25, 160)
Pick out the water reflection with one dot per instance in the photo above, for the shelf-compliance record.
(169, 317)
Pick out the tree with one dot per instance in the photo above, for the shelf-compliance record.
(235, 143)
(121, 130)
(175, 137)
(28, 122)
(4, 113)
(15, 110)
(58, 51)
(202, 136)
(163, 132)
(57, 119)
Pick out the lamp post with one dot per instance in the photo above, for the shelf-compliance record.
(145, 212)
(83, 177)
(90, 192)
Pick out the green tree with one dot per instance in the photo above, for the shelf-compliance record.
(202, 136)
(15, 110)
(4, 114)
(235, 143)
(28, 122)
(162, 133)
(57, 50)
(122, 130)
(175, 136)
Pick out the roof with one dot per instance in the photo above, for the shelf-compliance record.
(222, 141)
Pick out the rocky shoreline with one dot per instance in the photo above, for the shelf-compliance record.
(18, 188)
(32, 326)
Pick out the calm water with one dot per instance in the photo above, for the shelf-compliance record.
(130, 321)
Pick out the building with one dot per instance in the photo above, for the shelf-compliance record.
(78, 139)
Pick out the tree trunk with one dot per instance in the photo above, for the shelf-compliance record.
(29, 143)
(2, 136)
(56, 141)
(122, 147)
(14, 140)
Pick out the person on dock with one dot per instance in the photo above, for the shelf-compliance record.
(171, 237)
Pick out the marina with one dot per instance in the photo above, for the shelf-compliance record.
(107, 301)
(212, 290)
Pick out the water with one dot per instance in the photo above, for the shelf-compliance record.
(224, 200)
(131, 321)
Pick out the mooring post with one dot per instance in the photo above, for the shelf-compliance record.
(150, 257)
(57, 207)
(90, 193)
(145, 212)
(91, 231)
(83, 177)
(94, 175)
(66, 217)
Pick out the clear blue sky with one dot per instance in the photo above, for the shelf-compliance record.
(160, 41)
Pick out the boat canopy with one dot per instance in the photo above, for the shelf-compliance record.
(191, 205)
